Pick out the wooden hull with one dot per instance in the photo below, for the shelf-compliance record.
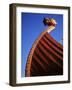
(45, 57)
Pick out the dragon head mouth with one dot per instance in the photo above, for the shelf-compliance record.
(49, 21)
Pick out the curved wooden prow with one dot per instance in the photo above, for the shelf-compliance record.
(46, 54)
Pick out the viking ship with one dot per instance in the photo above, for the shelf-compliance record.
(46, 55)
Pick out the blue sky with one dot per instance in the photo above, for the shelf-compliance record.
(32, 26)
